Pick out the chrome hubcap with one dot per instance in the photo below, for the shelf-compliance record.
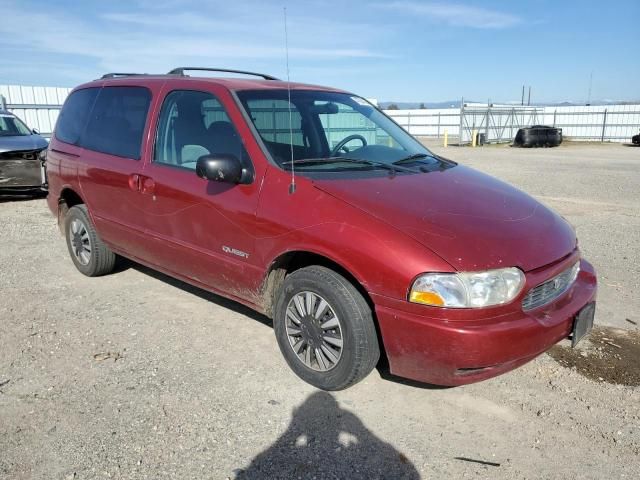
(314, 331)
(80, 241)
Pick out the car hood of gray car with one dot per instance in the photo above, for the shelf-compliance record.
(22, 142)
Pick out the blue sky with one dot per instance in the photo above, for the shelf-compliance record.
(401, 50)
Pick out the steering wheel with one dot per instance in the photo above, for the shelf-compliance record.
(346, 140)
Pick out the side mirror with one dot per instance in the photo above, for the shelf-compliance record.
(35, 131)
(222, 167)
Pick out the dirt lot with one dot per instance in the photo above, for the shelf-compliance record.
(135, 375)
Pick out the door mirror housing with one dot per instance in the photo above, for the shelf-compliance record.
(35, 131)
(222, 167)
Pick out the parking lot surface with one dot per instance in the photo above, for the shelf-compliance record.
(135, 375)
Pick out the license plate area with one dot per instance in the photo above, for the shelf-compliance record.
(583, 323)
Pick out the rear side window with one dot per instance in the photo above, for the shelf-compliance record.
(117, 121)
(74, 115)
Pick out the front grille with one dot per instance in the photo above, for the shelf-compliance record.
(551, 289)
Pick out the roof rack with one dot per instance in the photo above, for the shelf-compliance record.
(116, 74)
(180, 71)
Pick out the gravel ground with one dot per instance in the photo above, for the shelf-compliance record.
(136, 375)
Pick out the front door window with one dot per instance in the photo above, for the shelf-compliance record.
(193, 124)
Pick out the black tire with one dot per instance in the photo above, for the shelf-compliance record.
(100, 260)
(360, 351)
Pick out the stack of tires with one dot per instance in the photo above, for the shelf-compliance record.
(538, 136)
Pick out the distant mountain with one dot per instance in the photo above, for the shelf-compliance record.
(456, 104)
(411, 105)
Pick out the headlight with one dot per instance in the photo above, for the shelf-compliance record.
(467, 289)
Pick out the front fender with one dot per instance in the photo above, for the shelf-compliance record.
(382, 258)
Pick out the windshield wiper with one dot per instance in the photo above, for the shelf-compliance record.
(362, 161)
(413, 157)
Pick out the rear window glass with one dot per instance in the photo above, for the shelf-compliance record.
(74, 114)
(117, 121)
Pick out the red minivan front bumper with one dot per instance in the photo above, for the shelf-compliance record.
(457, 347)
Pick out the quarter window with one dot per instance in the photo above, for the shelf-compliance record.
(74, 115)
(193, 124)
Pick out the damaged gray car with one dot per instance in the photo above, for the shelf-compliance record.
(22, 157)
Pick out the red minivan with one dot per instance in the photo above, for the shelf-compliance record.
(311, 206)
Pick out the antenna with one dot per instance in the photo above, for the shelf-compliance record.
(292, 186)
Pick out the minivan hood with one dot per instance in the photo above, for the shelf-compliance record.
(22, 142)
(471, 220)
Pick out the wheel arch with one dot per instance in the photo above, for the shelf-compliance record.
(68, 198)
(290, 261)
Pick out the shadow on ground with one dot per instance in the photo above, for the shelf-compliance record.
(124, 264)
(324, 441)
(20, 196)
(610, 355)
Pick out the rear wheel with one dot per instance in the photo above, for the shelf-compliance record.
(88, 253)
(325, 329)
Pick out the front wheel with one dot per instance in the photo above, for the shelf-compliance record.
(325, 329)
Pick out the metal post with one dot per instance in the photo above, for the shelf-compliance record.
(486, 127)
(511, 120)
(554, 117)
(604, 124)
(409, 122)
(3, 103)
(438, 124)
(461, 121)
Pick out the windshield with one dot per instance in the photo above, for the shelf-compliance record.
(328, 130)
(12, 126)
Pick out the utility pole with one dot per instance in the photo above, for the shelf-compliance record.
(529, 99)
(590, 83)
(522, 101)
